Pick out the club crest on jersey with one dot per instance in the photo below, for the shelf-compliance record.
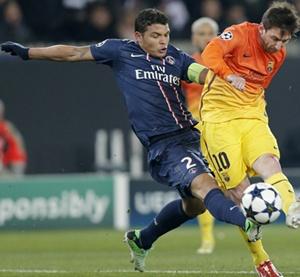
(192, 170)
(170, 60)
(226, 35)
(101, 43)
(270, 66)
(226, 177)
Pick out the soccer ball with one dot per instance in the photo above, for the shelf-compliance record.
(261, 203)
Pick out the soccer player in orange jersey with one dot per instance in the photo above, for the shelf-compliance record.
(236, 138)
(204, 30)
(12, 151)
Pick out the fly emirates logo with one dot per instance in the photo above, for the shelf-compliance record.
(158, 74)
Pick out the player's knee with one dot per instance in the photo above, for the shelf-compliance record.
(202, 184)
(193, 207)
(236, 193)
(267, 165)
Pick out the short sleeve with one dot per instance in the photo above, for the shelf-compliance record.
(107, 51)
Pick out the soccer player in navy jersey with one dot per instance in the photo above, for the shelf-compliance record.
(149, 72)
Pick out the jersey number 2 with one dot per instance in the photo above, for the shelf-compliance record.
(188, 161)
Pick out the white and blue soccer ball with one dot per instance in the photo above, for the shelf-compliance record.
(261, 203)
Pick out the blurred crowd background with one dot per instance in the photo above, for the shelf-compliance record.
(95, 20)
(54, 142)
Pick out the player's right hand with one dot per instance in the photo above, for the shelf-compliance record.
(15, 49)
(236, 81)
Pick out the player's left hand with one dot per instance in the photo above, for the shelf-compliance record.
(236, 81)
(15, 49)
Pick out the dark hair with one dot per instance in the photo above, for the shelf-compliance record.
(148, 17)
(282, 15)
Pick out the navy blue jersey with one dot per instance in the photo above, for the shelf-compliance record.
(151, 86)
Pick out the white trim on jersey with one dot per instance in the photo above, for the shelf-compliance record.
(168, 103)
(181, 105)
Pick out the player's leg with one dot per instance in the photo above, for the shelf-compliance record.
(205, 187)
(222, 208)
(166, 167)
(202, 185)
(206, 226)
(269, 168)
(263, 157)
(264, 267)
(170, 217)
(257, 140)
(231, 172)
(180, 165)
(258, 253)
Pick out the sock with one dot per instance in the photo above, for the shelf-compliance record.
(285, 189)
(224, 209)
(170, 217)
(206, 225)
(256, 248)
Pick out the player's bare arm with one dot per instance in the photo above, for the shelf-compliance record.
(197, 73)
(61, 53)
(54, 53)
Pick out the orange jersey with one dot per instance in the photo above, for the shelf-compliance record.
(193, 92)
(238, 50)
(11, 145)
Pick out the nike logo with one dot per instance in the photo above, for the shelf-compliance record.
(232, 208)
(136, 55)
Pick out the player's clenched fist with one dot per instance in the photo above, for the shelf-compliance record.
(15, 49)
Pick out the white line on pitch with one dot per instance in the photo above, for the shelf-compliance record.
(49, 271)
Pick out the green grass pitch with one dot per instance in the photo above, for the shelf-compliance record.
(101, 252)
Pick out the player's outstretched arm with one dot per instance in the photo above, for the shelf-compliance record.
(197, 73)
(54, 53)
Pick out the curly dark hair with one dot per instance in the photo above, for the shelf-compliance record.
(282, 15)
(148, 17)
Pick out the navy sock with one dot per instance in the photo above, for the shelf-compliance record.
(222, 208)
(170, 217)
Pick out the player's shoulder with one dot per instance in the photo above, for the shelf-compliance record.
(116, 47)
(176, 52)
(112, 42)
(238, 31)
(129, 44)
(174, 49)
(246, 25)
(243, 26)
(178, 56)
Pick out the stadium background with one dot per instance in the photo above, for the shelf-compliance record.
(86, 169)
(72, 116)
